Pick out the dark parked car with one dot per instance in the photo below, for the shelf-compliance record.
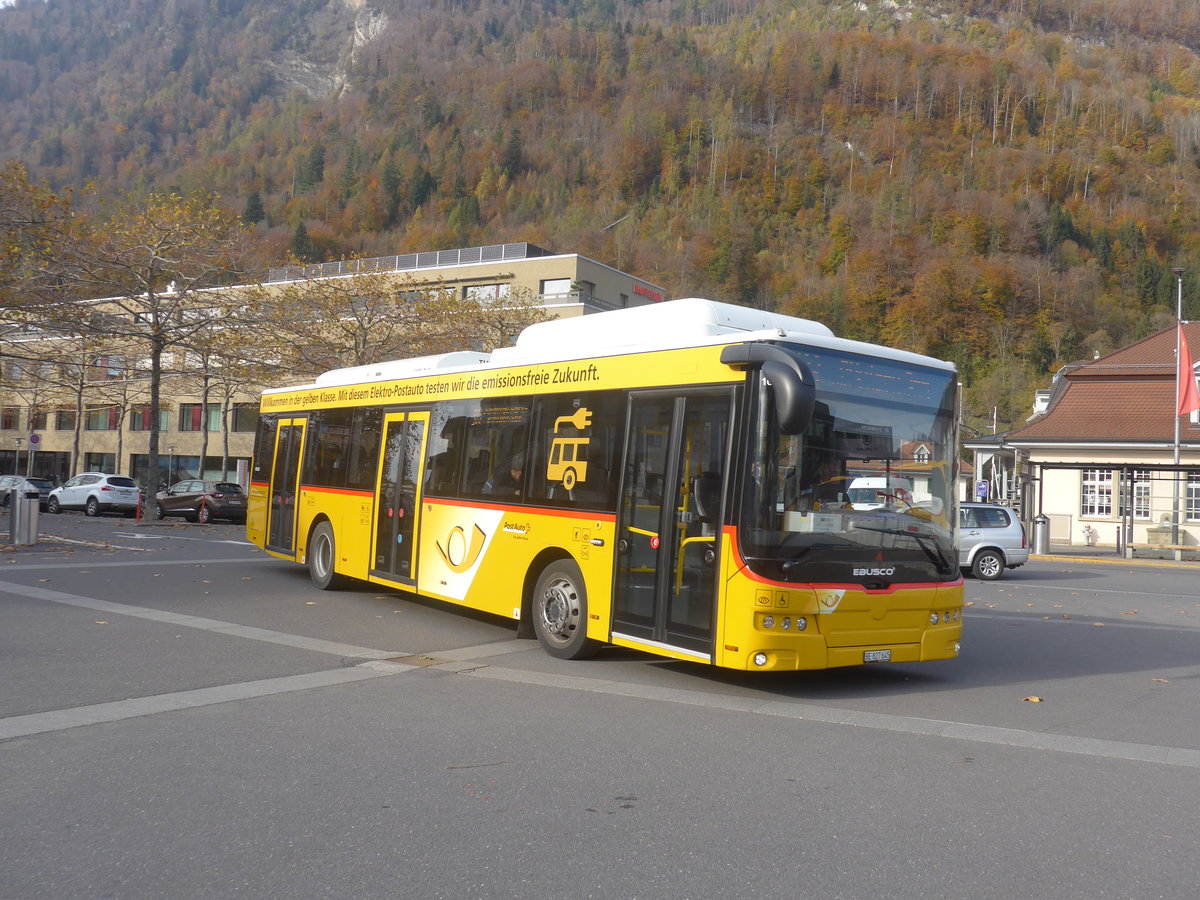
(202, 501)
(43, 486)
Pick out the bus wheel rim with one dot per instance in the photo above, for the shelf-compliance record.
(559, 609)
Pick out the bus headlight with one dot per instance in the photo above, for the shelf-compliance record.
(933, 618)
(760, 659)
(801, 623)
(768, 622)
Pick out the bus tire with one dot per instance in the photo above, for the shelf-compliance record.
(322, 556)
(559, 611)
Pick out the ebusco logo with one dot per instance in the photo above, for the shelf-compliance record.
(890, 570)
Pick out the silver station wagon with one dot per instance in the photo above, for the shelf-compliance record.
(991, 539)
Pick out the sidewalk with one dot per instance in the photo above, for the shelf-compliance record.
(1141, 555)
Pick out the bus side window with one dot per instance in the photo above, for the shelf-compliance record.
(362, 449)
(576, 450)
(444, 469)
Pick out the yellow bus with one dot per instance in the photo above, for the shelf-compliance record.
(668, 478)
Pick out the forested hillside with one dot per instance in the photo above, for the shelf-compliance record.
(1005, 183)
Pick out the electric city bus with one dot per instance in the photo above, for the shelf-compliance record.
(669, 478)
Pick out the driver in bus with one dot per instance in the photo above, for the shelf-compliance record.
(825, 488)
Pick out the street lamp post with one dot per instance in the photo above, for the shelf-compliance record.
(170, 465)
(17, 457)
(1178, 273)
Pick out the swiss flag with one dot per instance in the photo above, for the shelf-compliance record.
(1189, 397)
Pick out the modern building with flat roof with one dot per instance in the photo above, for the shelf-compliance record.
(39, 425)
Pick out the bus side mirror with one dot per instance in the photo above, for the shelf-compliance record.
(791, 380)
(794, 396)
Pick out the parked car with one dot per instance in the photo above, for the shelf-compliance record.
(202, 501)
(991, 539)
(43, 486)
(94, 493)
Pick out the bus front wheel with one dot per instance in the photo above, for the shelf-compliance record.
(559, 611)
(322, 553)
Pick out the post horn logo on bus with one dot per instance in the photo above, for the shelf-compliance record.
(458, 554)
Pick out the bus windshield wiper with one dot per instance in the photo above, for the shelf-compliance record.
(927, 542)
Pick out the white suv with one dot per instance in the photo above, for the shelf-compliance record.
(991, 539)
(94, 493)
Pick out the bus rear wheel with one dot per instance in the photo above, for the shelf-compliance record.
(559, 611)
(322, 554)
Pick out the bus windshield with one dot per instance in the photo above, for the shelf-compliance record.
(865, 494)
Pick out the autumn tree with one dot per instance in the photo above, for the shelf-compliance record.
(314, 324)
(158, 264)
(34, 222)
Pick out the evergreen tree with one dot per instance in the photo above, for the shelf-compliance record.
(254, 211)
(303, 247)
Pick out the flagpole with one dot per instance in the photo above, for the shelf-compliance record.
(1178, 273)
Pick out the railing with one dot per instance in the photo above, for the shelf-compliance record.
(407, 262)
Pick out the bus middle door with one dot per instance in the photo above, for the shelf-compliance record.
(284, 489)
(398, 498)
(670, 519)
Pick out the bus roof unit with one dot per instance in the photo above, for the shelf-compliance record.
(673, 323)
(402, 368)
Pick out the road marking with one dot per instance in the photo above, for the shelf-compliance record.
(185, 621)
(380, 663)
(963, 731)
(99, 713)
(52, 564)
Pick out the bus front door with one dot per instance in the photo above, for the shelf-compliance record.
(670, 520)
(285, 486)
(398, 503)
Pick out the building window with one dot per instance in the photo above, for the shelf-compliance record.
(193, 417)
(552, 287)
(1192, 497)
(101, 418)
(1141, 494)
(37, 420)
(100, 462)
(139, 419)
(64, 420)
(487, 293)
(1096, 492)
(245, 417)
(107, 368)
(10, 418)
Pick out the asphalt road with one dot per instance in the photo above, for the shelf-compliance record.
(183, 716)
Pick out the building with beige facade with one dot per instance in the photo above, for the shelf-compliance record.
(1099, 457)
(102, 423)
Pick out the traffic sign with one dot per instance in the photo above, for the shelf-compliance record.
(981, 490)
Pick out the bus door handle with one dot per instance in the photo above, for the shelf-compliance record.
(597, 542)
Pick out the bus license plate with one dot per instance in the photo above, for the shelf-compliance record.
(877, 656)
